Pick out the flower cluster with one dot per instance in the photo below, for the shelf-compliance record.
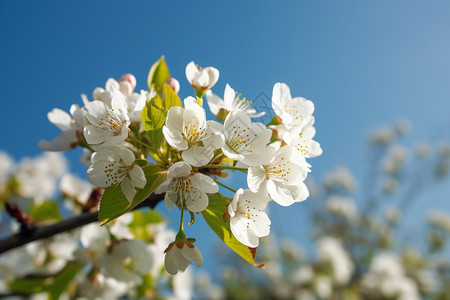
(132, 136)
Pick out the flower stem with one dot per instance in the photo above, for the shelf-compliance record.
(139, 142)
(225, 186)
(225, 167)
(180, 235)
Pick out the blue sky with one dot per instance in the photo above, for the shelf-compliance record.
(363, 63)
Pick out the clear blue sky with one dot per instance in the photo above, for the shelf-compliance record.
(363, 63)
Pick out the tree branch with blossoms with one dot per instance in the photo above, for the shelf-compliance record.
(150, 146)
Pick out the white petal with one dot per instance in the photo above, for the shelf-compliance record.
(128, 189)
(196, 200)
(207, 184)
(193, 110)
(213, 76)
(281, 95)
(198, 156)
(191, 70)
(193, 254)
(60, 118)
(239, 229)
(137, 177)
(228, 97)
(174, 119)
(174, 139)
(179, 169)
(255, 177)
(173, 259)
(215, 103)
(65, 141)
(94, 111)
(280, 193)
(170, 198)
(126, 154)
(163, 187)
(118, 103)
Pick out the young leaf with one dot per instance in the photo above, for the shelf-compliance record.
(213, 215)
(159, 73)
(114, 203)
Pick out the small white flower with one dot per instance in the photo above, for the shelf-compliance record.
(230, 103)
(107, 125)
(202, 79)
(113, 166)
(248, 222)
(331, 250)
(302, 139)
(245, 141)
(185, 189)
(283, 177)
(72, 129)
(186, 127)
(294, 112)
(180, 254)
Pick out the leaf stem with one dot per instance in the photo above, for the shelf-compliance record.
(225, 186)
(139, 142)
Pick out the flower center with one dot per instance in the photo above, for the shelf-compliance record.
(115, 172)
(278, 170)
(111, 122)
(240, 140)
(192, 131)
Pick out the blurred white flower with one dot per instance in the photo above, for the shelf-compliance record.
(6, 166)
(439, 219)
(75, 188)
(395, 160)
(340, 177)
(382, 136)
(343, 206)
(38, 177)
(126, 261)
(331, 250)
(422, 149)
(323, 287)
(248, 222)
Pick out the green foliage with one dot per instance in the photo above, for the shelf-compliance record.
(159, 73)
(154, 115)
(114, 203)
(140, 220)
(214, 216)
(54, 285)
(46, 211)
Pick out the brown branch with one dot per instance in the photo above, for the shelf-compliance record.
(37, 233)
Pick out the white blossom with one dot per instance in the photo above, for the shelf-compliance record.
(107, 125)
(231, 102)
(283, 177)
(203, 78)
(247, 220)
(115, 166)
(71, 126)
(245, 141)
(302, 139)
(180, 254)
(185, 189)
(294, 112)
(331, 250)
(186, 127)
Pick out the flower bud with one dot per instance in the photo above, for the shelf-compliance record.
(130, 79)
(174, 84)
(97, 92)
(125, 88)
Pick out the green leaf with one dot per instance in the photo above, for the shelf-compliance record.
(154, 114)
(46, 211)
(214, 216)
(159, 73)
(114, 203)
(55, 285)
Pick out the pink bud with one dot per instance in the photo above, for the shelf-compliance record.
(129, 78)
(174, 84)
(97, 92)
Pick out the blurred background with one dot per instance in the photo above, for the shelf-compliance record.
(377, 72)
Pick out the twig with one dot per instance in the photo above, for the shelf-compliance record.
(37, 233)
